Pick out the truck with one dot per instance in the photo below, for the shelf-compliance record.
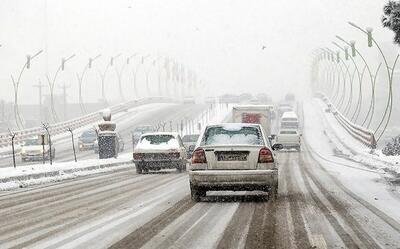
(253, 114)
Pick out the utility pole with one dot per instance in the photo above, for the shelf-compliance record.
(40, 86)
(64, 89)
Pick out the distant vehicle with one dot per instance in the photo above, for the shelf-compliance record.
(290, 97)
(87, 140)
(33, 149)
(245, 97)
(253, 114)
(229, 98)
(289, 120)
(289, 138)
(284, 107)
(234, 156)
(160, 150)
(263, 98)
(189, 141)
(120, 144)
(140, 130)
(189, 100)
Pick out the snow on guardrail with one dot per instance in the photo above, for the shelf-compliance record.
(360, 133)
(62, 127)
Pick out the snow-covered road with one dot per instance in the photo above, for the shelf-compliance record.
(325, 201)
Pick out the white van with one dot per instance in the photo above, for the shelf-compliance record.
(289, 120)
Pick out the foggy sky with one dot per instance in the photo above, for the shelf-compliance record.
(221, 40)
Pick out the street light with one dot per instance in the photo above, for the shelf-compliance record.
(80, 81)
(371, 109)
(16, 84)
(52, 84)
(103, 76)
(119, 75)
(390, 72)
(356, 113)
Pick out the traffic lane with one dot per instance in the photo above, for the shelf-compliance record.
(312, 211)
(154, 210)
(175, 114)
(64, 150)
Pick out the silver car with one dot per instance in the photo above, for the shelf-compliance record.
(234, 156)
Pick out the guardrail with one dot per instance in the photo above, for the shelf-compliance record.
(62, 127)
(363, 135)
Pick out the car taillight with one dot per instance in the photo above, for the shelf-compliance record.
(174, 154)
(137, 156)
(265, 156)
(199, 156)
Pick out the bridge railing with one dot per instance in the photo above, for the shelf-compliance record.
(62, 127)
(361, 134)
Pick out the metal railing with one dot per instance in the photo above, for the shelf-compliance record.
(361, 134)
(62, 127)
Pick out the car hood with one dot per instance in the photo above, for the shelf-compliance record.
(34, 148)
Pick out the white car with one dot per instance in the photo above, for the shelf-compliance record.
(34, 150)
(159, 150)
(234, 156)
(289, 138)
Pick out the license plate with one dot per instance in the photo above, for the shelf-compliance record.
(232, 157)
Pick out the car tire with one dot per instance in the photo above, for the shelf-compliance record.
(181, 166)
(138, 168)
(196, 193)
(273, 192)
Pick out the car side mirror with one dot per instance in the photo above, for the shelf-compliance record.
(277, 146)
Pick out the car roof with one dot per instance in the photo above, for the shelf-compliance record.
(175, 134)
(289, 115)
(233, 124)
(253, 107)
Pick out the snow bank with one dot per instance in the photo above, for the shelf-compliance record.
(37, 174)
(346, 144)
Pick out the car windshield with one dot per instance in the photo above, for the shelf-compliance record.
(90, 133)
(288, 132)
(232, 134)
(33, 141)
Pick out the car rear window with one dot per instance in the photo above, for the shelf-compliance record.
(157, 139)
(288, 132)
(289, 119)
(232, 135)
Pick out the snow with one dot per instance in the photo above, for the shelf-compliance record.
(349, 146)
(366, 180)
(37, 174)
(224, 139)
(146, 144)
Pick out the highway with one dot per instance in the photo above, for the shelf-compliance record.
(316, 208)
(125, 210)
